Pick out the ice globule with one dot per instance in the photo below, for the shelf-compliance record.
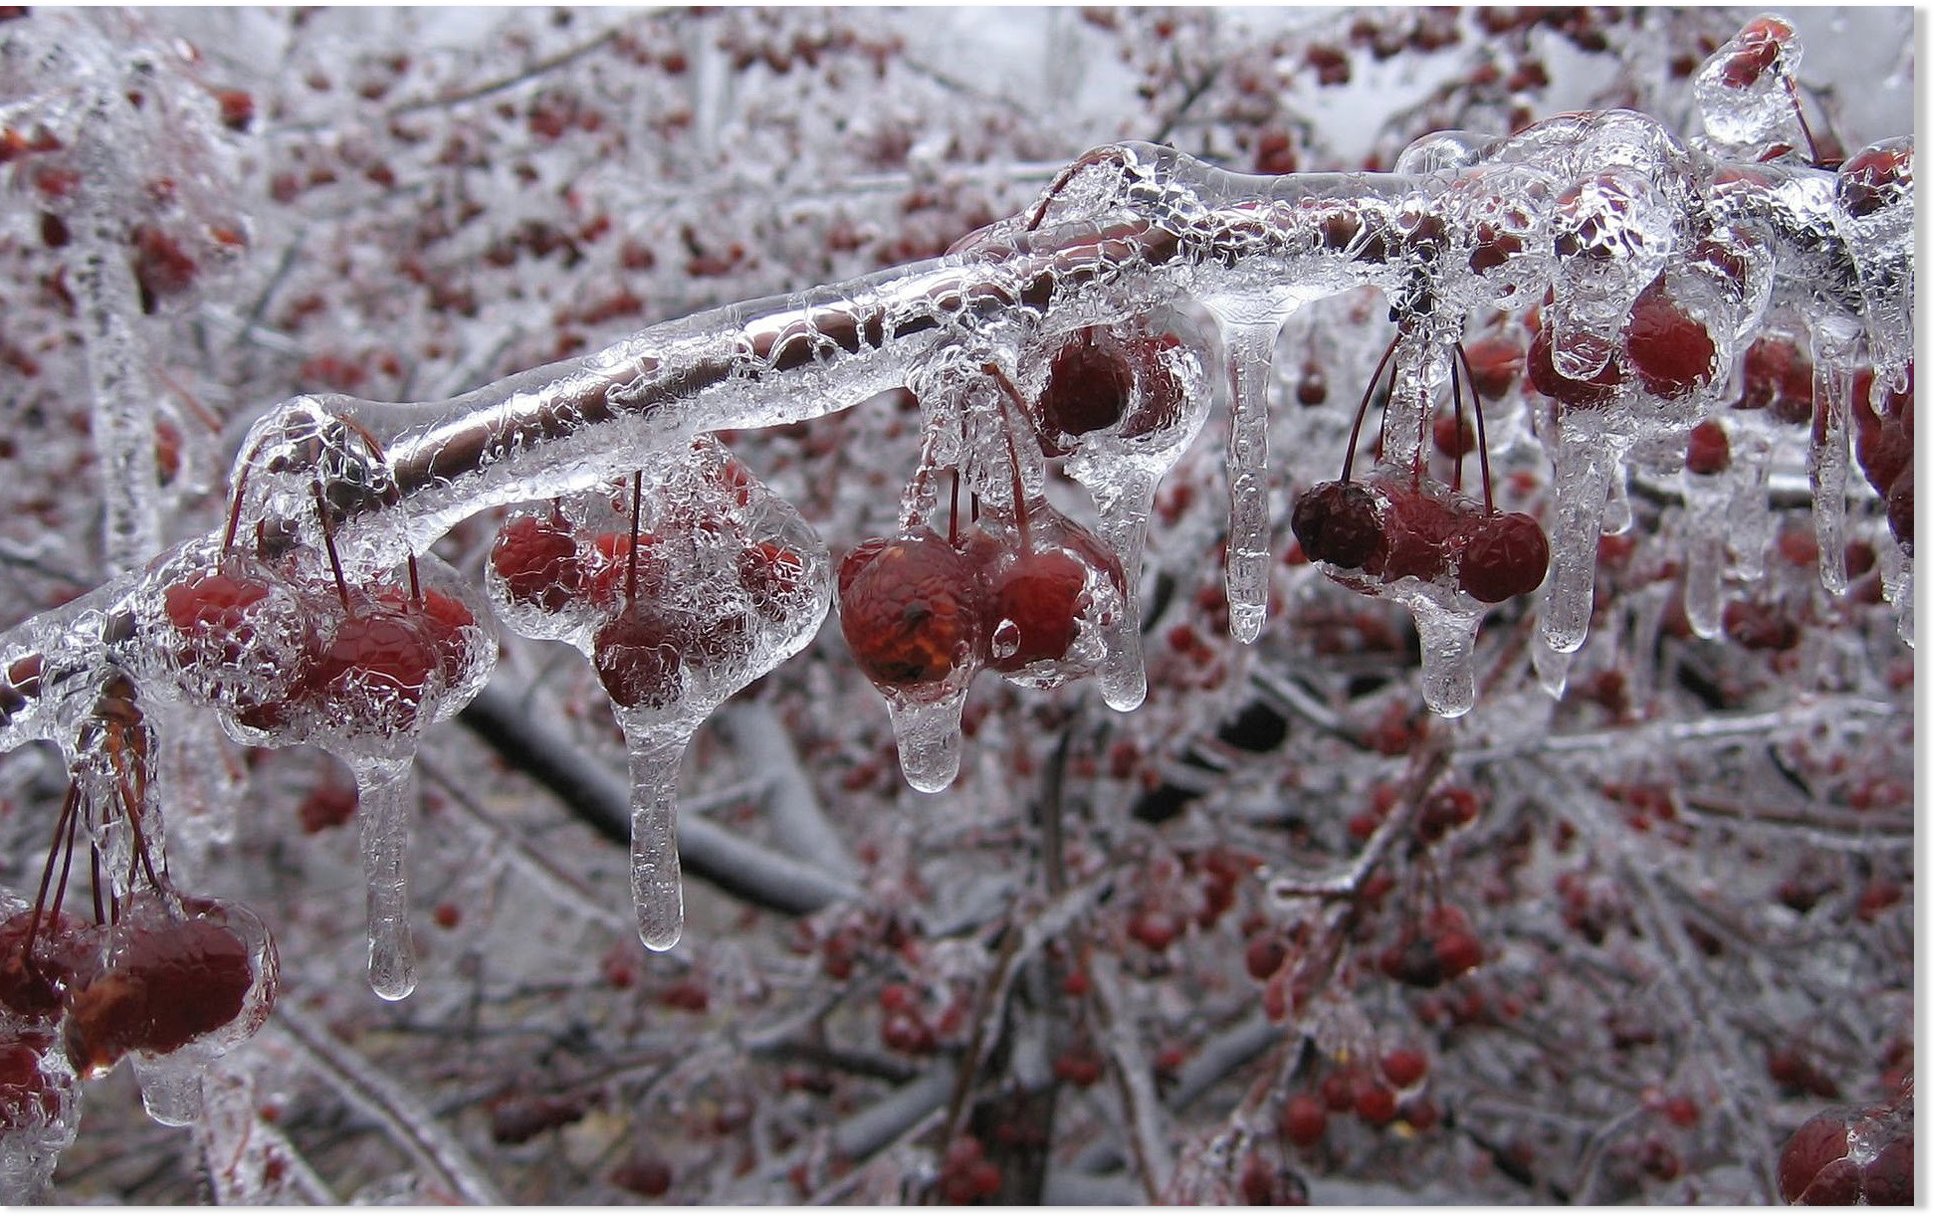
(1743, 94)
(385, 802)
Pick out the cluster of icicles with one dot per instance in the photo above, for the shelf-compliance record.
(1654, 268)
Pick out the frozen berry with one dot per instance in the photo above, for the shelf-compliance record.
(1338, 523)
(1590, 394)
(1404, 1068)
(911, 609)
(537, 558)
(1708, 451)
(66, 954)
(1879, 176)
(166, 985)
(637, 656)
(1305, 1118)
(1088, 386)
(376, 671)
(1814, 1168)
(1670, 352)
(1505, 557)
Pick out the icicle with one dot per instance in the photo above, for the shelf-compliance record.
(1585, 469)
(1449, 640)
(1617, 520)
(1705, 552)
(1552, 667)
(1125, 507)
(171, 1086)
(1749, 516)
(1826, 458)
(1904, 604)
(1248, 343)
(928, 737)
(385, 797)
(655, 748)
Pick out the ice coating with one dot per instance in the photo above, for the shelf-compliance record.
(385, 799)
(1247, 346)
(40, 1102)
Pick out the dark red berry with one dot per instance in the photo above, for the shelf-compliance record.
(1670, 352)
(1810, 1161)
(1758, 48)
(1877, 177)
(1453, 435)
(637, 656)
(1264, 954)
(1338, 523)
(911, 609)
(1900, 509)
(1088, 386)
(66, 955)
(212, 608)
(538, 561)
(1589, 394)
(1305, 1119)
(1496, 363)
(1778, 376)
(1506, 556)
(376, 670)
(1035, 609)
(166, 985)
(643, 1173)
(1403, 1068)
(1708, 451)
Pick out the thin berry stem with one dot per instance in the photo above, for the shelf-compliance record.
(47, 873)
(1799, 112)
(631, 550)
(1457, 430)
(235, 511)
(1483, 443)
(1363, 407)
(1011, 399)
(329, 544)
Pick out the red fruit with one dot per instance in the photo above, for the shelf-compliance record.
(160, 267)
(1877, 177)
(538, 561)
(1421, 534)
(1760, 627)
(1681, 1110)
(1403, 1068)
(1412, 961)
(238, 109)
(1669, 351)
(1264, 954)
(29, 1099)
(772, 576)
(1888, 1178)
(1339, 1090)
(326, 807)
(610, 577)
(1263, 1183)
(1453, 435)
(1036, 604)
(1506, 556)
(1161, 398)
(911, 609)
(1573, 394)
(1777, 375)
(1458, 952)
(1811, 1161)
(165, 986)
(644, 1174)
(1496, 362)
(1078, 1068)
(1445, 810)
(637, 656)
(1758, 49)
(211, 608)
(1708, 451)
(1154, 929)
(449, 622)
(1338, 523)
(1089, 384)
(1375, 1103)
(1305, 1119)
(66, 955)
(1882, 445)
(376, 671)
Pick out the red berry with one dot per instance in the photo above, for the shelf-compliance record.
(1589, 394)
(911, 609)
(1338, 523)
(1420, 534)
(1305, 1118)
(1078, 1068)
(1154, 929)
(66, 956)
(1453, 435)
(1877, 177)
(643, 1173)
(1671, 353)
(1375, 1103)
(1506, 556)
(1757, 49)
(1708, 451)
(165, 986)
(637, 656)
(1496, 362)
(1445, 810)
(1888, 1177)
(1088, 387)
(1778, 376)
(1811, 1161)
(772, 576)
(212, 609)
(1404, 1067)
(1458, 952)
(376, 670)
(1035, 610)
(238, 109)
(1681, 1110)
(610, 577)
(537, 558)
(1758, 626)
(1900, 509)
(1264, 954)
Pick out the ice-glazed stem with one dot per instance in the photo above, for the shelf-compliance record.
(1248, 345)
(928, 736)
(1584, 475)
(1449, 641)
(657, 888)
(385, 797)
(1125, 508)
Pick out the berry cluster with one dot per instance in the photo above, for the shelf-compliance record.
(679, 608)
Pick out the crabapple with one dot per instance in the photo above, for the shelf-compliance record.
(1505, 556)
(1088, 387)
(537, 560)
(164, 985)
(1590, 394)
(1305, 1119)
(911, 609)
(1708, 451)
(1337, 523)
(637, 656)
(1671, 353)
(376, 671)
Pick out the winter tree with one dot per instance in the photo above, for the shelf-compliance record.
(1096, 606)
